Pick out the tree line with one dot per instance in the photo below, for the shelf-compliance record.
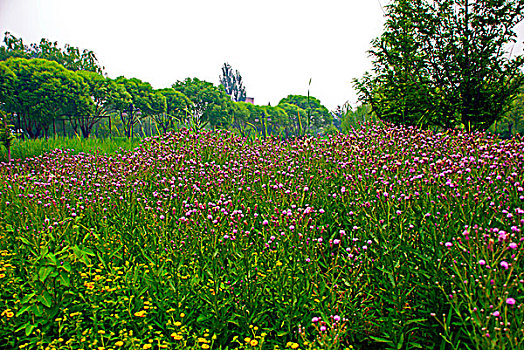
(43, 86)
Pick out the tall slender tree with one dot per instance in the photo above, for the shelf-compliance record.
(232, 83)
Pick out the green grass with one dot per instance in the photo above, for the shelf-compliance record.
(23, 149)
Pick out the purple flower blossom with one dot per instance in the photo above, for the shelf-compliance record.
(510, 301)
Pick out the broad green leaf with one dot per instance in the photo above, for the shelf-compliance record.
(29, 329)
(64, 279)
(44, 271)
(47, 300)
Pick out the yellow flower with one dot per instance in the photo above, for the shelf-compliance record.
(182, 315)
(7, 313)
(247, 339)
(147, 346)
(2, 275)
(140, 313)
(254, 342)
(294, 345)
(119, 343)
(178, 324)
(202, 340)
(205, 346)
(279, 263)
(176, 336)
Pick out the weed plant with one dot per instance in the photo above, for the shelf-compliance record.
(388, 237)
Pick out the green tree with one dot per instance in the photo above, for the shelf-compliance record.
(210, 104)
(70, 57)
(512, 123)
(443, 63)
(7, 82)
(276, 118)
(352, 118)
(232, 83)
(177, 109)
(315, 115)
(105, 94)
(43, 91)
(7, 78)
(296, 118)
(144, 103)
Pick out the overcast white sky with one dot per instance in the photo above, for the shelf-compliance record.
(276, 45)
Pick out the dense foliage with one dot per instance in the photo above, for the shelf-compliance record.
(70, 57)
(445, 63)
(387, 236)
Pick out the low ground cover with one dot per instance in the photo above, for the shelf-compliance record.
(389, 237)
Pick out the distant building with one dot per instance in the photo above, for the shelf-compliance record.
(250, 100)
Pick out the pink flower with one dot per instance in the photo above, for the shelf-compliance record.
(496, 313)
(513, 245)
(510, 301)
(448, 244)
(504, 265)
(482, 262)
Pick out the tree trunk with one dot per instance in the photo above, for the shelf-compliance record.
(85, 131)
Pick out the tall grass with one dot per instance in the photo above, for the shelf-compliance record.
(23, 149)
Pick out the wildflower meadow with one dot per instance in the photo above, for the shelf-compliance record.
(384, 238)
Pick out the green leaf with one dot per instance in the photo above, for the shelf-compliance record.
(24, 240)
(67, 266)
(46, 299)
(401, 342)
(37, 309)
(44, 271)
(43, 251)
(202, 318)
(23, 310)
(29, 329)
(27, 298)
(64, 280)
(380, 340)
(51, 258)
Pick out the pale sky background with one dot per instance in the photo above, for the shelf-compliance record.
(276, 45)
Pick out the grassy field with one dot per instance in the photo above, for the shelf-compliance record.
(386, 238)
(23, 149)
